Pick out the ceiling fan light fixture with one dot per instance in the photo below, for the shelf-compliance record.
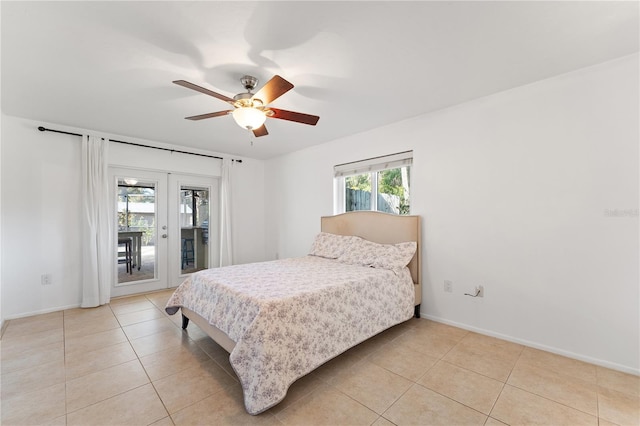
(249, 118)
(252, 109)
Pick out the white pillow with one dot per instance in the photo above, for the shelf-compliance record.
(385, 256)
(331, 246)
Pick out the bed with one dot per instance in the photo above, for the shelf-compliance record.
(281, 319)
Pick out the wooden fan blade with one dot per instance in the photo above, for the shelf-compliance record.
(197, 88)
(298, 117)
(260, 131)
(274, 88)
(209, 115)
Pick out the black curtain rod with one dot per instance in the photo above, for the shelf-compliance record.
(44, 129)
(372, 158)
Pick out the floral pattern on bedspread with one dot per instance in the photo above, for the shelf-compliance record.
(289, 316)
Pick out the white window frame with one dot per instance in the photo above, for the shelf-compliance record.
(371, 166)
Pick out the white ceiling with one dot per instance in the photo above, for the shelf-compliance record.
(108, 66)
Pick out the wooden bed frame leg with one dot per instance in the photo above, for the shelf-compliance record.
(416, 312)
(185, 322)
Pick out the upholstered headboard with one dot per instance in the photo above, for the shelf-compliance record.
(383, 228)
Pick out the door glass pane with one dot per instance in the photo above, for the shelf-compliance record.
(194, 229)
(137, 234)
(357, 192)
(393, 190)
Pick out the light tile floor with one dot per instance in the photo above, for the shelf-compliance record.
(128, 363)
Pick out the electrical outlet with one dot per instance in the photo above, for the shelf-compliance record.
(480, 291)
(448, 286)
(46, 279)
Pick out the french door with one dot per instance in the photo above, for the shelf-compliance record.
(166, 226)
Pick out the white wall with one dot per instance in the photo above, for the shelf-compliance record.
(41, 210)
(514, 190)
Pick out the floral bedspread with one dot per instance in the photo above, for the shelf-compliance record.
(290, 316)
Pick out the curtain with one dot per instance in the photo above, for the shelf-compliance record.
(226, 248)
(97, 224)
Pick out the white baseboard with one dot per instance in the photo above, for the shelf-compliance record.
(40, 312)
(595, 361)
(62, 308)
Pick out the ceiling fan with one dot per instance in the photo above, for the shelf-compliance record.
(250, 109)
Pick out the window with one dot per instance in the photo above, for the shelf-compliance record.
(137, 208)
(379, 184)
(194, 207)
(194, 228)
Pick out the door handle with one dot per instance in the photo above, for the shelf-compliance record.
(164, 235)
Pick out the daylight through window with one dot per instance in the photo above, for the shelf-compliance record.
(379, 184)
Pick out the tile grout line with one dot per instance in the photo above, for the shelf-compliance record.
(472, 371)
(552, 400)
(504, 384)
(597, 415)
(441, 359)
(169, 415)
(143, 367)
(147, 374)
(128, 390)
(106, 399)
